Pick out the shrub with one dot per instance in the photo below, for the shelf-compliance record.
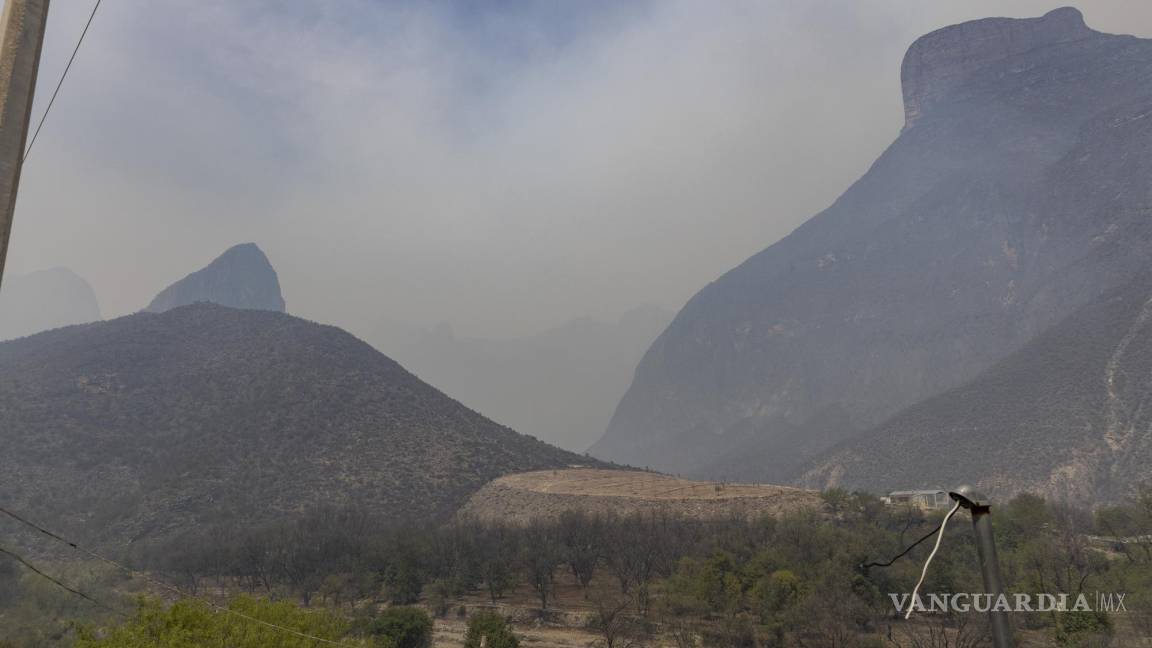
(1077, 628)
(402, 627)
(192, 624)
(493, 629)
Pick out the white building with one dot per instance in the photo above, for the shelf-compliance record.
(925, 499)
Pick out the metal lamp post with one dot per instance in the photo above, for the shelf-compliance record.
(981, 510)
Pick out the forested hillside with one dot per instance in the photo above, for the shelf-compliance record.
(153, 423)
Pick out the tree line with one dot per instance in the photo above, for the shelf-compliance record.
(796, 580)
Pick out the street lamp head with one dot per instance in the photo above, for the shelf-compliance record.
(969, 497)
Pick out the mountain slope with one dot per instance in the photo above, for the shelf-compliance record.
(1016, 192)
(1070, 414)
(45, 300)
(560, 385)
(242, 277)
(151, 423)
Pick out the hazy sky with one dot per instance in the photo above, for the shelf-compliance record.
(502, 165)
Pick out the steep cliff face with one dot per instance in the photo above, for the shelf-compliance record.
(45, 300)
(942, 61)
(1017, 192)
(242, 277)
(1069, 415)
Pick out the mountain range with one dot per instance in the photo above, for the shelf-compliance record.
(1016, 193)
(150, 424)
(974, 309)
(560, 385)
(241, 277)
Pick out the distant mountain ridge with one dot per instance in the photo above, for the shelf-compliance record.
(45, 300)
(1069, 415)
(1016, 193)
(149, 424)
(560, 385)
(242, 277)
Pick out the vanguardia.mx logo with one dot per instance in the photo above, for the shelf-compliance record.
(1108, 602)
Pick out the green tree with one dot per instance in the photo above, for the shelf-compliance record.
(540, 554)
(836, 499)
(403, 578)
(777, 592)
(194, 624)
(1022, 517)
(402, 627)
(498, 551)
(711, 586)
(583, 539)
(492, 629)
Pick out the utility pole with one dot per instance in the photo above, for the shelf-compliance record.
(22, 30)
(977, 504)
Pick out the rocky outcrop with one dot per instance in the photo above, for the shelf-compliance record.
(1016, 194)
(242, 277)
(940, 62)
(45, 300)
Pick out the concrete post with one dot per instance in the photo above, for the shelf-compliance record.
(22, 33)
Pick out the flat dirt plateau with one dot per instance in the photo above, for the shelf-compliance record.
(545, 494)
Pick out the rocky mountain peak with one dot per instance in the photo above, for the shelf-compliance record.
(1018, 196)
(941, 60)
(242, 277)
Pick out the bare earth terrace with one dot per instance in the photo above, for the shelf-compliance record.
(522, 497)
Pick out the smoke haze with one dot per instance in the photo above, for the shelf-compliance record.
(500, 166)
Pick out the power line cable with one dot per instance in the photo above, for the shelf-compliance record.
(60, 83)
(36, 570)
(866, 566)
(924, 571)
(161, 584)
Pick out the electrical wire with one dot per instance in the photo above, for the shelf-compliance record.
(36, 570)
(158, 583)
(924, 571)
(60, 83)
(864, 567)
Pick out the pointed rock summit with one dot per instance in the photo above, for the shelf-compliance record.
(242, 277)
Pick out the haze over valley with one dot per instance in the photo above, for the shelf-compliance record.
(576, 325)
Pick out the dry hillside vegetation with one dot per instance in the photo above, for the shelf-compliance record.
(154, 424)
